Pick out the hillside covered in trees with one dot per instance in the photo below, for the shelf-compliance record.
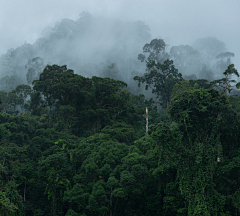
(73, 133)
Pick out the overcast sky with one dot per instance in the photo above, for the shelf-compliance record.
(176, 21)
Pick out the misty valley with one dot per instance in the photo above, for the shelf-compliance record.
(75, 137)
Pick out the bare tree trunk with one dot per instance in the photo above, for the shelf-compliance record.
(146, 119)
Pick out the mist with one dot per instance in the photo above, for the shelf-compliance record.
(110, 35)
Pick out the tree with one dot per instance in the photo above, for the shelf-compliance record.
(209, 48)
(55, 166)
(6, 206)
(156, 50)
(9, 83)
(224, 84)
(161, 78)
(183, 86)
(22, 91)
(223, 55)
(58, 86)
(9, 102)
(202, 83)
(111, 71)
(193, 146)
(224, 61)
(122, 132)
(186, 59)
(96, 159)
(206, 73)
(34, 66)
(81, 105)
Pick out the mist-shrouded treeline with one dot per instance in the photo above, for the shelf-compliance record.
(97, 46)
(82, 135)
(88, 45)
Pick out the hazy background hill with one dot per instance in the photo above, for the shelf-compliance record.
(106, 47)
(87, 45)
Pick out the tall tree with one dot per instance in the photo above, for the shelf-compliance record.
(22, 91)
(9, 83)
(225, 84)
(186, 59)
(156, 51)
(161, 78)
(193, 146)
(209, 48)
(34, 66)
(224, 59)
(111, 71)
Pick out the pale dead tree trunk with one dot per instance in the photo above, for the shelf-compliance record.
(146, 119)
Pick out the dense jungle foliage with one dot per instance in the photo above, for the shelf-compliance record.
(79, 147)
(73, 145)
